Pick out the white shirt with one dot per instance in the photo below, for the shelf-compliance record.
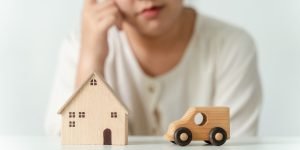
(218, 68)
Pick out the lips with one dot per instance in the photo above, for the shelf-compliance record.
(151, 12)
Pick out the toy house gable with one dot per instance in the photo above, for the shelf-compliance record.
(94, 115)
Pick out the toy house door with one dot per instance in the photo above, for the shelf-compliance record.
(107, 137)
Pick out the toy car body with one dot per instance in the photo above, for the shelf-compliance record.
(214, 128)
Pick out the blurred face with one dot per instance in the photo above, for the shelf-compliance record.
(151, 17)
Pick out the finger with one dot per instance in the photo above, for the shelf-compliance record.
(103, 6)
(121, 18)
(107, 22)
(120, 24)
(102, 1)
(118, 19)
(94, 10)
(90, 2)
(109, 9)
(109, 13)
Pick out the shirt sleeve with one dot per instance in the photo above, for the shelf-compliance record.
(238, 83)
(63, 85)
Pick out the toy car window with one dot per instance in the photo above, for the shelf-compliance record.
(200, 119)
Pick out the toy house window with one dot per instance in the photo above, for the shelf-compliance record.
(72, 124)
(113, 115)
(93, 82)
(81, 114)
(71, 114)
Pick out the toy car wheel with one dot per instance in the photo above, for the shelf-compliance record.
(183, 136)
(217, 136)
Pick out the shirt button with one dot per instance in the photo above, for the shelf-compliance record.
(151, 89)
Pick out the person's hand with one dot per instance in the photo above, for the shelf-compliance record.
(97, 19)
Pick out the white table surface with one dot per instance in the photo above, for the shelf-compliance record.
(151, 143)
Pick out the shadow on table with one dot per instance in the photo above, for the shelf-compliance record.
(159, 144)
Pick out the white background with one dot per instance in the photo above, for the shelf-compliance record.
(32, 31)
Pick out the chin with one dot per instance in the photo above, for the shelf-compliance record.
(153, 33)
(154, 29)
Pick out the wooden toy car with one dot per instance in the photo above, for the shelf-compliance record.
(213, 128)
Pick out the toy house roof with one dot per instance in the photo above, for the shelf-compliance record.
(87, 82)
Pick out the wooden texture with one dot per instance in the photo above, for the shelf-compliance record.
(104, 115)
(212, 117)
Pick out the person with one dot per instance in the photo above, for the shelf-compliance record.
(161, 57)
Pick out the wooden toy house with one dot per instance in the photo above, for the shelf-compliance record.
(94, 115)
